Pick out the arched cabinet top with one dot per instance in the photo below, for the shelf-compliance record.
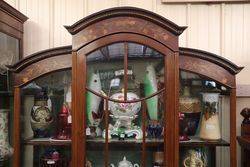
(210, 65)
(220, 61)
(193, 60)
(125, 20)
(41, 63)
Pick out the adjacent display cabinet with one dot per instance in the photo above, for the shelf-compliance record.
(124, 94)
(11, 40)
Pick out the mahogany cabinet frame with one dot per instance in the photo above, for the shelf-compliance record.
(26, 71)
(125, 24)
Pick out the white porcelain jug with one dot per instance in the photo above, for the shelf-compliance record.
(125, 163)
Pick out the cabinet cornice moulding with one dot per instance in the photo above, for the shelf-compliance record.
(204, 1)
(33, 58)
(125, 11)
(221, 61)
(12, 11)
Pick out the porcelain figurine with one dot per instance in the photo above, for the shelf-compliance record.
(125, 163)
(124, 113)
(93, 101)
(41, 116)
(210, 126)
(5, 149)
(150, 87)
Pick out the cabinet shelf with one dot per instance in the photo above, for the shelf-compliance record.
(6, 93)
(114, 143)
(46, 141)
(196, 142)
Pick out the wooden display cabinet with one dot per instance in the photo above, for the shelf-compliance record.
(11, 51)
(127, 74)
(11, 42)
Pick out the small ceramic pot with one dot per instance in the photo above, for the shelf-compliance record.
(154, 129)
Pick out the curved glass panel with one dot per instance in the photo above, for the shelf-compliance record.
(204, 121)
(46, 121)
(9, 54)
(125, 105)
(9, 51)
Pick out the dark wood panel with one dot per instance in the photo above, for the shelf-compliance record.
(208, 69)
(74, 127)
(8, 9)
(124, 24)
(10, 21)
(125, 11)
(233, 144)
(16, 133)
(211, 57)
(80, 108)
(41, 68)
(123, 37)
(10, 31)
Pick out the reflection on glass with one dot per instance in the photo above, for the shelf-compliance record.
(46, 120)
(123, 95)
(201, 120)
(9, 51)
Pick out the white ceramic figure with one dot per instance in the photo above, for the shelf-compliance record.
(93, 101)
(125, 163)
(124, 114)
(124, 109)
(150, 87)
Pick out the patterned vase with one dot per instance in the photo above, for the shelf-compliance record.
(190, 107)
(210, 127)
(5, 149)
(41, 116)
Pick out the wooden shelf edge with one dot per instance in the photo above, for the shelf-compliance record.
(124, 143)
(46, 141)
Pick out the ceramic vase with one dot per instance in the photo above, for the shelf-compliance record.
(190, 107)
(5, 149)
(210, 127)
(41, 118)
(189, 104)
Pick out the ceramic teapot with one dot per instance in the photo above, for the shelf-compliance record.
(125, 163)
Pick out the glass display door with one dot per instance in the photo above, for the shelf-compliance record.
(46, 121)
(125, 106)
(204, 120)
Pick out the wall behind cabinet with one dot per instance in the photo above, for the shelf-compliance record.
(219, 28)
